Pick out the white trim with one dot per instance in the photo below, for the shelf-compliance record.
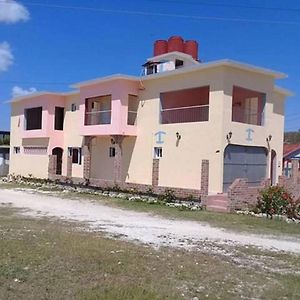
(172, 54)
(216, 64)
(282, 91)
(43, 93)
(104, 79)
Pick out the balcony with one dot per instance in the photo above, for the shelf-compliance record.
(99, 117)
(248, 106)
(104, 115)
(185, 106)
(197, 113)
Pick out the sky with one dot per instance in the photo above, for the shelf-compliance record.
(48, 45)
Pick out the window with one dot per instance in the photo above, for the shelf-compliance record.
(33, 118)
(73, 107)
(17, 150)
(158, 152)
(178, 63)
(59, 118)
(247, 106)
(98, 110)
(133, 104)
(184, 106)
(75, 153)
(112, 151)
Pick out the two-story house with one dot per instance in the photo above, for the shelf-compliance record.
(182, 124)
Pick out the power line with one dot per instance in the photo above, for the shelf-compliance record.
(230, 5)
(34, 82)
(155, 14)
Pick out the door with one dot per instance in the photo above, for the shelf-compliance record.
(244, 162)
(58, 152)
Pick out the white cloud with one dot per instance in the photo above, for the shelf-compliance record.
(6, 56)
(19, 92)
(12, 11)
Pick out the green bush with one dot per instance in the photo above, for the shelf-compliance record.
(275, 200)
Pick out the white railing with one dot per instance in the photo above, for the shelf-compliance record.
(196, 113)
(98, 117)
(246, 116)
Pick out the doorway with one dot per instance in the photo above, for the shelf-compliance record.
(59, 153)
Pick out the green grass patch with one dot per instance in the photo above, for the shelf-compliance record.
(48, 259)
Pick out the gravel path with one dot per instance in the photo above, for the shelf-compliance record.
(137, 226)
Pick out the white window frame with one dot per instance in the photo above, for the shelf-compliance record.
(17, 150)
(71, 152)
(158, 152)
(112, 151)
(73, 107)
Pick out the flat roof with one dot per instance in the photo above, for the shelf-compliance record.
(189, 69)
(104, 79)
(42, 93)
(219, 63)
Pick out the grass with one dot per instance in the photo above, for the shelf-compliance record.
(232, 221)
(48, 259)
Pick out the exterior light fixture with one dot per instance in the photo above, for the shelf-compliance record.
(269, 138)
(228, 136)
(112, 141)
(178, 136)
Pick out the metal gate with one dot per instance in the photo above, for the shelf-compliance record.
(244, 162)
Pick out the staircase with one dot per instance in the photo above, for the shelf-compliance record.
(217, 203)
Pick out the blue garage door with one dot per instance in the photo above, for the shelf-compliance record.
(244, 162)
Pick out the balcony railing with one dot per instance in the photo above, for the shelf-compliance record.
(98, 117)
(131, 117)
(246, 116)
(197, 113)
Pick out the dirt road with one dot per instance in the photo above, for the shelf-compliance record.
(136, 226)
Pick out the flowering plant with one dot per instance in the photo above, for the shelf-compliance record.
(275, 200)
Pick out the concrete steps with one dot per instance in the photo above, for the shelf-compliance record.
(217, 203)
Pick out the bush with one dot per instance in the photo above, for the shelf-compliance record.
(275, 200)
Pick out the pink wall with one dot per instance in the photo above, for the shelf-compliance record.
(48, 103)
(119, 89)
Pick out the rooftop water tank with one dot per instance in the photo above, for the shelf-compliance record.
(175, 43)
(160, 47)
(191, 48)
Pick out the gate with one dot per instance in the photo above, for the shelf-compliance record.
(244, 162)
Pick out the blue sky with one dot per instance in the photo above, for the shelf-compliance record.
(61, 42)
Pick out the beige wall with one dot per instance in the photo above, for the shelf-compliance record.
(180, 165)
(102, 166)
(71, 134)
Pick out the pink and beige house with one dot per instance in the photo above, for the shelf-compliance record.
(185, 125)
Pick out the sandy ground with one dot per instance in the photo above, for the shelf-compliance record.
(139, 227)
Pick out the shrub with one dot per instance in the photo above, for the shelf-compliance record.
(275, 200)
(168, 196)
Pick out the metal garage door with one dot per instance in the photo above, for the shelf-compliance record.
(244, 162)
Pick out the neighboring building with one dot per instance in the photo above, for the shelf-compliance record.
(290, 152)
(4, 153)
(158, 129)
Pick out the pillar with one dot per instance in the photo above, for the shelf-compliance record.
(52, 166)
(204, 176)
(155, 172)
(118, 139)
(69, 166)
(86, 162)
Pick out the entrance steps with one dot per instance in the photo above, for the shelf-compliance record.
(217, 203)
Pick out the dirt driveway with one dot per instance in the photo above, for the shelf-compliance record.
(137, 226)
